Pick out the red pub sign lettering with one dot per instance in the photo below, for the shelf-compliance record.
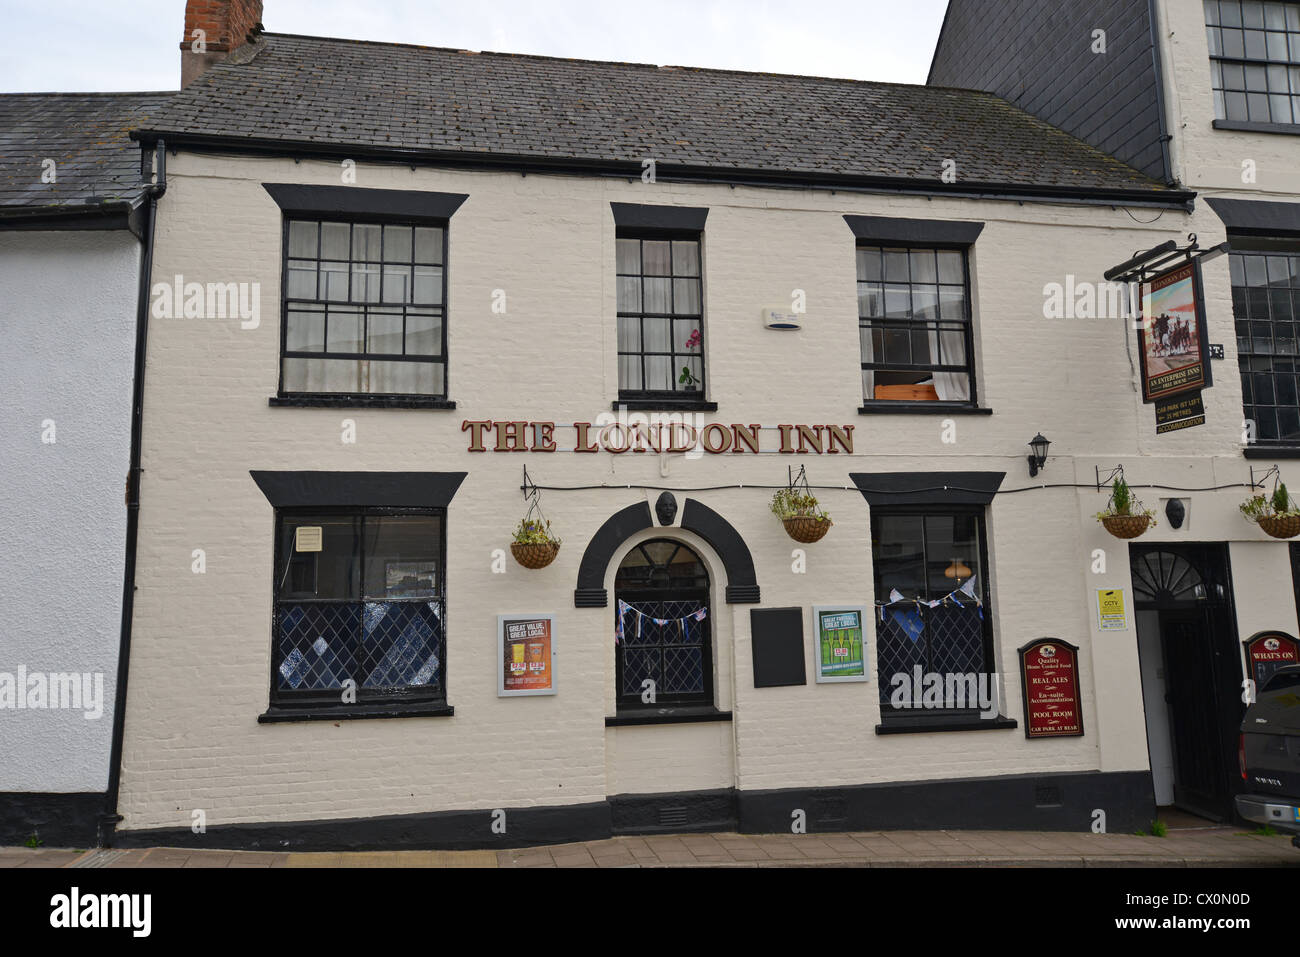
(1049, 680)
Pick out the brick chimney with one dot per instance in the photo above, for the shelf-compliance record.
(226, 26)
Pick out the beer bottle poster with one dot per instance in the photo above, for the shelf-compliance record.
(841, 647)
(525, 655)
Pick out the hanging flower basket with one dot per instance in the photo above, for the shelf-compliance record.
(1280, 526)
(804, 520)
(534, 555)
(1276, 516)
(1124, 516)
(534, 546)
(1126, 526)
(806, 529)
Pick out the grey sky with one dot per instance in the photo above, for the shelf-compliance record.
(86, 45)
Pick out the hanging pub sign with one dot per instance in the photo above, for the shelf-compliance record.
(1049, 682)
(1268, 651)
(1172, 337)
(841, 646)
(525, 663)
(1181, 411)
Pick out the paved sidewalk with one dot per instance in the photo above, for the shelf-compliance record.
(1192, 847)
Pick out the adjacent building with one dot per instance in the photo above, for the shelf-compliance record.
(74, 219)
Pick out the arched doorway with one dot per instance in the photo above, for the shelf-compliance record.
(1191, 673)
(663, 625)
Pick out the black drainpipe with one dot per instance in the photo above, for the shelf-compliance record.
(108, 820)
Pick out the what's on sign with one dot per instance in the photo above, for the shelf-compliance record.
(1268, 651)
(656, 436)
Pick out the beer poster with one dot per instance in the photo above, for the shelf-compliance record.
(1172, 338)
(1049, 681)
(525, 655)
(841, 648)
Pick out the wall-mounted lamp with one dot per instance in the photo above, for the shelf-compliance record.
(1038, 453)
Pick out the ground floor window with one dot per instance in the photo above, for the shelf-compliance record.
(663, 628)
(932, 610)
(359, 598)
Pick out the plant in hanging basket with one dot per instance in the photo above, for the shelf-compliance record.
(1124, 516)
(804, 520)
(1277, 515)
(534, 546)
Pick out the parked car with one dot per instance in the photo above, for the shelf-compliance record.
(1269, 753)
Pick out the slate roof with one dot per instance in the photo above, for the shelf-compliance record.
(348, 93)
(88, 137)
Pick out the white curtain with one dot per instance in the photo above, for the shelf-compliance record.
(948, 347)
(868, 355)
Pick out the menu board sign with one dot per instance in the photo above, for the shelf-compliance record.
(1268, 651)
(525, 663)
(1049, 682)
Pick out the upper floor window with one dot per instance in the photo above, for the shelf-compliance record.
(1266, 307)
(914, 324)
(1255, 60)
(660, 316)
(359, 596)
(364, 309)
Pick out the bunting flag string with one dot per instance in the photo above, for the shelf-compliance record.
(681, 623)
(968, 590)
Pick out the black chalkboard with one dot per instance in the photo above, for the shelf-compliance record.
(778, 647)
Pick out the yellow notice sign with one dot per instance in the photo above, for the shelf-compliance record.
(1111, 615)
(308, 538)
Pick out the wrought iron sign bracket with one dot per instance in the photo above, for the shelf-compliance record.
(1272, 472)
(1168, 255)
(1116, 472)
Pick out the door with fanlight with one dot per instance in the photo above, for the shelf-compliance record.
(1183, 608)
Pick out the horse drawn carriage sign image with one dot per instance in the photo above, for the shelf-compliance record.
(1172, 337)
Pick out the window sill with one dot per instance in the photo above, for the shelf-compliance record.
(664, 405)
(1271, 452)
(921, 408)
(919, 725)
(359, 402)
(683, 714)
(1241, 126)
(426, 709)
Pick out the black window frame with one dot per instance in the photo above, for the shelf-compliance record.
(938, 719)
(1225, 61)
(1251, 363)
(353, 219)
(968, 328)
(658, 398)
(370, 702)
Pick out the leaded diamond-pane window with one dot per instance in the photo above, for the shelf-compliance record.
(359, 597)
(932, 609)
(662, 621)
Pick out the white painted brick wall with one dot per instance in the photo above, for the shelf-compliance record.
(201, 655)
